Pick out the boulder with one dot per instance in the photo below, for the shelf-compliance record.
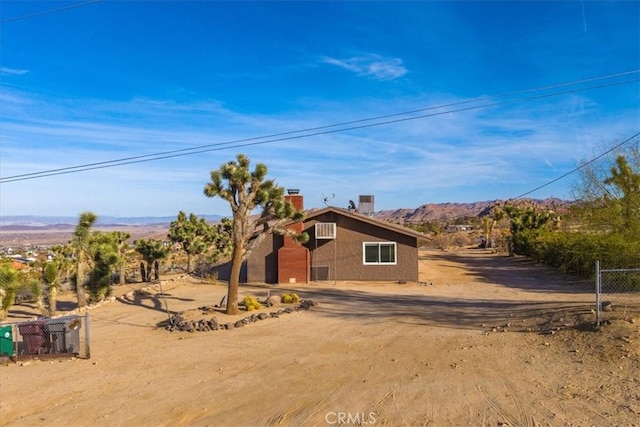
(273, 300)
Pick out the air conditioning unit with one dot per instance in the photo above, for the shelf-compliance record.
(326, 230)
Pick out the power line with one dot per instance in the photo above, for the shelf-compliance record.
(322, 130)
(452, 104)
(579, 167)
(478, 99)
(50, 11)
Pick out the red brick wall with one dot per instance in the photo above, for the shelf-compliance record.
(293, 258)
(293, 264)
(296, 200)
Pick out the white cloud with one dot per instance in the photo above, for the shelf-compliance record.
(371, 65)
(12, 71)
(467, 156)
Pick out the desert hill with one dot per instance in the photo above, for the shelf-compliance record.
(451, 211)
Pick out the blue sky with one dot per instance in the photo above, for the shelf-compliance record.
(117, 79)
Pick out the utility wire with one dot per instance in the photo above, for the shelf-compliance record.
(47, 12)
(579, 167)
(452, 104)
(193, 149)
(319, 130)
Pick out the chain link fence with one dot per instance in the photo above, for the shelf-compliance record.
(43, 337)
(617, 291)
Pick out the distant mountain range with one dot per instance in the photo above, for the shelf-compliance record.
(425, 213)
(35, 221)
(450, 211)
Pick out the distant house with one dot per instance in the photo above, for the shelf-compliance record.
(343, 245)
(452, 228)
(18, 265)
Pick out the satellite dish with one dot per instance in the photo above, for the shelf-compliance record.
(352, 205)
(325, 199)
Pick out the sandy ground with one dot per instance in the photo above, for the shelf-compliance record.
(488, 341)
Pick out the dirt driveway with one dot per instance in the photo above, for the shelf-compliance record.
(484, 340)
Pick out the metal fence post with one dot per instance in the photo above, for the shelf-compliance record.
(598, 289)
(87, 336)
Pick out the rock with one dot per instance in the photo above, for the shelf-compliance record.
(239, 324)
(288, 310)
(213, 323)
(273, 300)
(229, 325)
(273, 314)
(262, 316)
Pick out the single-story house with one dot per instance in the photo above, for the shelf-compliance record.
(343, 245)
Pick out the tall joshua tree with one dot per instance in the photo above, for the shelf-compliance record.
(245, 191)
(81, 248)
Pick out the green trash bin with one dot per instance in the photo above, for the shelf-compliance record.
(6, 341)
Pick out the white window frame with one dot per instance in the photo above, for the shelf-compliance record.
(378, 244)
(325, 230)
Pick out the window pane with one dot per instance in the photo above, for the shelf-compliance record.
(371, 253)
(387, 253)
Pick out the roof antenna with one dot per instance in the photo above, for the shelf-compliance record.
(325, 199)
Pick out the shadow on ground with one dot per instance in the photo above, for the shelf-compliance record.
(514, 272)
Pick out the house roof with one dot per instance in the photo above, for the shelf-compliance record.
(17, 265)
(367, 219)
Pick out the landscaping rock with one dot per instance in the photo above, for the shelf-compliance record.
(273, 300)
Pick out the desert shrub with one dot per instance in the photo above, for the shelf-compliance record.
(290, 298)
(442, 241)
(577, 253)
(251, 303)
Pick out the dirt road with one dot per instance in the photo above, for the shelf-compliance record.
(485, 340)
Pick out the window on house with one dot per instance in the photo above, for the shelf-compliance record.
(379, 252)
(325, 230)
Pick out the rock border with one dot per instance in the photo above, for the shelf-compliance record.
(178, 323)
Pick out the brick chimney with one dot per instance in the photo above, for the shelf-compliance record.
(293, 258)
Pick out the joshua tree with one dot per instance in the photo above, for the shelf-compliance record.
(80, 243)
(246, 190)
(55, 271)
(50, 279)
(152, 251)
(194, 235)
(8, 286)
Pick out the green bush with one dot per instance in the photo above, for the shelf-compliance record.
(577, 252)
(290, 298)
(251, 303)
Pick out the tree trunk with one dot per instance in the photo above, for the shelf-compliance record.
(143, 272)
(188, 263)
(53, 300)
(80, 293)
(40, 305)
(121, 276)
(234, 280)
